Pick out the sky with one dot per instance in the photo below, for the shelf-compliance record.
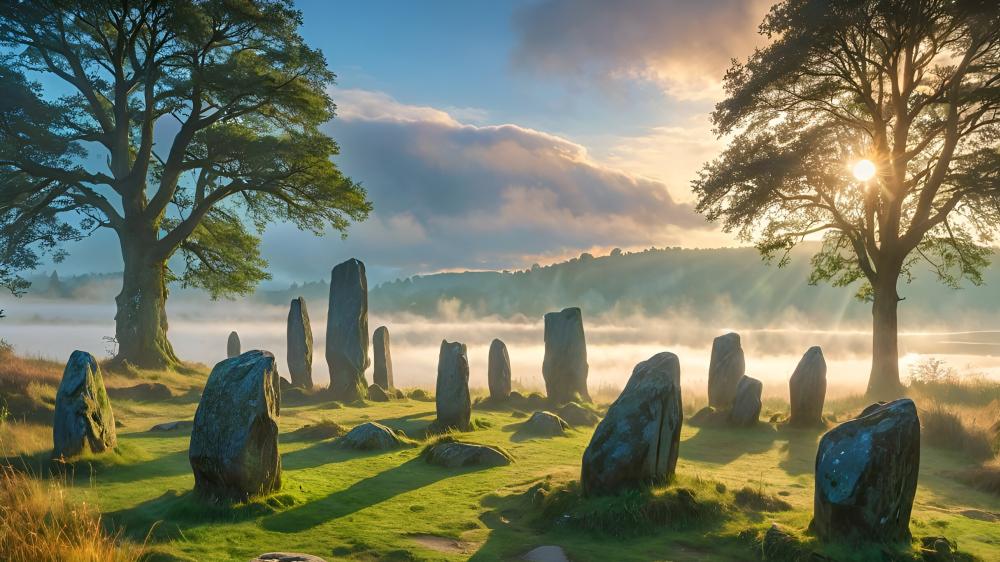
(494, 135)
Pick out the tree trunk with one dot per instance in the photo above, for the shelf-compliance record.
(883, 383)
(141, 320)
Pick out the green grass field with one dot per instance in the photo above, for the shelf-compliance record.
(393, 506)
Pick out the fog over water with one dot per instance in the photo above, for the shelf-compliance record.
(199, 328)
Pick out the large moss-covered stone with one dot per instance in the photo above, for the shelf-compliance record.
(233, 345)
(866, 476)
(725, 369)
(234, 441)
(456, 454)
(637, 441)
(564, 366)
(454, 405)
(83, 417)
(746, 404)
(300, 344)
(498, 371)
(347, 331)
(382, 370)
(807, 389)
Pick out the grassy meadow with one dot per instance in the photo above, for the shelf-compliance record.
(732, 485)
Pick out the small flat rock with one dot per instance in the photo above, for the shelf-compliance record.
(180, 425)
(287, 557)
(456, 454)
(371, 436)
(546, 553)
(545, 423)
(378, 394)
(575, 414)
(142, 391)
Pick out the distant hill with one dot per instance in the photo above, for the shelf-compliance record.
(717, 284)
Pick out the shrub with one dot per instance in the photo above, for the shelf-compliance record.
(946, 429)
(38, 523)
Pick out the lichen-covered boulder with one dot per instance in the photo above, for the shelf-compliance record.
(498, 371)
(564, 366)
(300, 344)
(746, 404)
(233, 345)
(234, 441)
(382, 370)
(378, 394)
(866, 476)
(454, 405)
(637, 441)
(807, 389)
(545, 424)
(577, 415)
(83, 417)
(456, 454)
(371, 436)
(725, 369)
(347, 331)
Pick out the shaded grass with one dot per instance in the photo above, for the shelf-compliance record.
(945, 428)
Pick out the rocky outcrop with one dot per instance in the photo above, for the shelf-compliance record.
(637, 441)
(454, 405)
(545, 424)
(382, 371)
(299, 344)
(807, 389)
(234, 441)
(866, 476)
(564, 365)
(725, 369)
(233, 345)
(498, 371)
(83, 417)
(347, 331)
(456, 454)
(378, 394)
(746, 404)
(371, 436)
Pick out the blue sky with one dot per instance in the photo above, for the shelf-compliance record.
(493, 135)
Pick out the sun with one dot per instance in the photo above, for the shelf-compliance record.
(864, 170)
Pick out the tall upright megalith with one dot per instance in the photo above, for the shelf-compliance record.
(347, 331)
(498, 371)
(564, 366)
(807, 389)
(234, 438)
(725, 369)
(299, 344)
(454, 405)
(83, 417)
(382, 370)
(233, 344)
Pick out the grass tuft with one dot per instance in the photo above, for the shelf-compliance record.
(757, 499)
(946, 429)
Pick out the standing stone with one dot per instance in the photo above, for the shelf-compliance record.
(637, 441)
(300, 344)
(807, 389)
(454, 406)
(746, 405)
(866, 476)
(347, 331)
(83, 417)
(564, 366)
(234, 441)
(382, 373)
(498, 373)
(233, 345)
(725, 370)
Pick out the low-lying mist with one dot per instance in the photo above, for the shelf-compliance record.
(616, 342)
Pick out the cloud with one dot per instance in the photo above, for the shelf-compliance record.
(684, 46)
(450, 195)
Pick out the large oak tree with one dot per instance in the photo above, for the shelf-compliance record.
(913, 86)
(185, 126)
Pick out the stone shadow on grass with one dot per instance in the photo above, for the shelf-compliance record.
(722, 445)
(409, 476)
(799, 450)
(322, 453)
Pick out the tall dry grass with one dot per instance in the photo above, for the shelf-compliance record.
(39, 524)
